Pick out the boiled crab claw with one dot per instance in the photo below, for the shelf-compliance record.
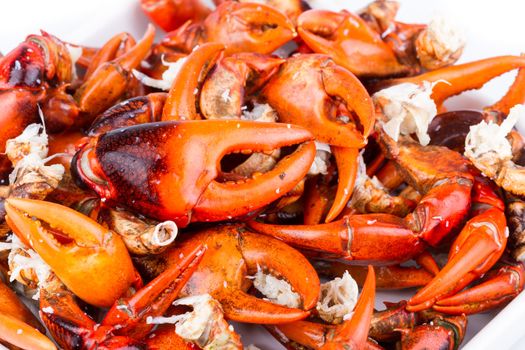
(241, 27)
(351, 334)
(170, 15)
(125, 325)
(171, 168)
(306, 91)
(74, 246)
(347, 38)
(233, 254)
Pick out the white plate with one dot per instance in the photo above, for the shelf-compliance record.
(491, 28)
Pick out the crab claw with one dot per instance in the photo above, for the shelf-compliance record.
(476, 249)
(128, 315)
(74, 246)
(110, 80)
(498, 288)
(183, 97)
(304, 92)
(462, 77)
(440, 333)
(233, 254)
(172, 167)
(351, 334)
(248, 27)
(346, 38)
(223, 92)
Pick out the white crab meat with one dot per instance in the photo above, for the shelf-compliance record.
(204, 325)
(168, 76)
(446, 38)
(261, 112)
(165, 233)
(338, 299)
(276, 290)
(489, 137)
(33, 140)
(251, 347)
(321, 160)
(408, 109)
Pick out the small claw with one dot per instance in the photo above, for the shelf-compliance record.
(129, 315)
(74, 246)
(302, 94)
(346, 38)
(106, 53)
(462, 77)
(427, 261)
(347, 164)
(497, 290)
(183, 96)
(248, 27)
(20, 334)
(515, 95)
(110, 80)
(353, 333)
(476, 249)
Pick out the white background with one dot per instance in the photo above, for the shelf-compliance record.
(492, 28)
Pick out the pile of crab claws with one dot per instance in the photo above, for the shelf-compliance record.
(183, 97)
(111, 79)
(475, 250)
(496, 289)
(351, 334)
(189, 192)
(350, 42)
(74, 246)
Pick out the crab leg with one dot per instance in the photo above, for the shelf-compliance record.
(462, 77)
(497, 289)
(110, 80)
(74, 246)
(130, 314)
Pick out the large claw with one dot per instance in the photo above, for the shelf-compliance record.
(305, 92)
(74, 246)
(244, 253)
(110, 80)
(351, 334)
(346, 38)
(183, 97)
(476, 249)
(240, 27)
(171, 168)
(497, 289)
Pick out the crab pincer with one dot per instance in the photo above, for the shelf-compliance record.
(170, 170)
(74, 246)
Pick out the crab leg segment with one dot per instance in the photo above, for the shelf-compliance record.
(370, 237)
(110, 80)
(476, 249)
(346, 38)
(74, 246)
(462, 77)
(168, 186)
(129, 315)
(183, 97)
